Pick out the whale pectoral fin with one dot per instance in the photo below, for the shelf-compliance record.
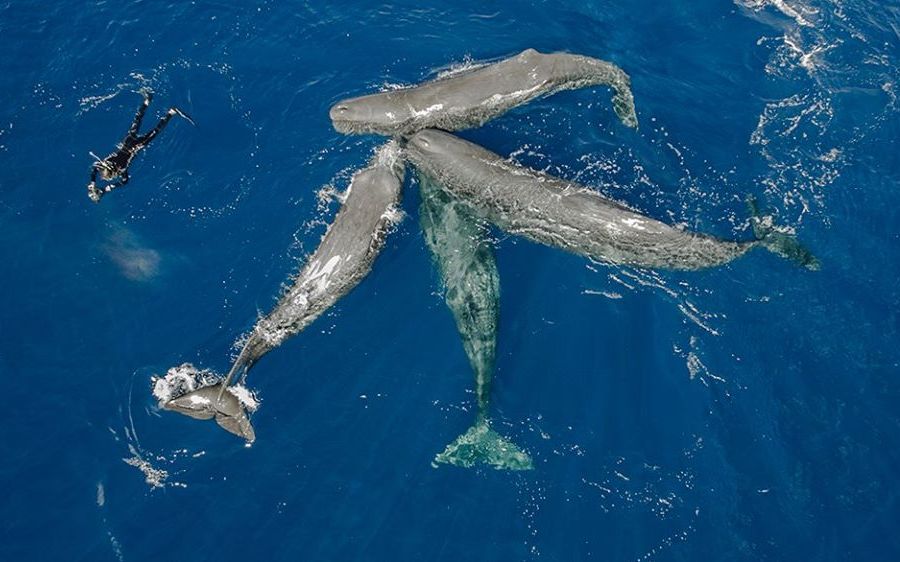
(237, 424)
(482, 445)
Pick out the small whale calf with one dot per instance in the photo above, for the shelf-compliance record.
(472, 98)
(566, 215)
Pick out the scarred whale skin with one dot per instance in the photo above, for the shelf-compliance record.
(470, 99)
(561, 213)
(344, 256)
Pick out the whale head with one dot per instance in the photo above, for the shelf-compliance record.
(376, 113)
(434, 146)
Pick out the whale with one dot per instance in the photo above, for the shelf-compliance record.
(471, 288)
(471, 98)
(344, 257)
(566, 215)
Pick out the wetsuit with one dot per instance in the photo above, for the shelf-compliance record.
(116, 164)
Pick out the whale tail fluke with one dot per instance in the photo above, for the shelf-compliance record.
(482, 445)
(202, 395)
(183, 115)
(779, 242)
(211, 402)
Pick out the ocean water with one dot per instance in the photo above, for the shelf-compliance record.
(748, 412)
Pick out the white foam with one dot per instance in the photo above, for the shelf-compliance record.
(180, 380)
(393, 215)
(783, 7)
(460, 68)
(155, 477)
(245, 396)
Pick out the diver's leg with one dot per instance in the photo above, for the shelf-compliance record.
(144, 139)
(139, 116)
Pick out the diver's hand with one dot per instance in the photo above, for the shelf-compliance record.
(94, 193)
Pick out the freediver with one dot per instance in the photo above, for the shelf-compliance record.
(116, 164)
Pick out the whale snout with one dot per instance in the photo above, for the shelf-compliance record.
(423, 140)
(339, 112)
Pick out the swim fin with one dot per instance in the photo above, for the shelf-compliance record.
(778, 242)
(481, 444)
(184, 115)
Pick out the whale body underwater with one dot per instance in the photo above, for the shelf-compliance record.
(471, 288)
(471, 98)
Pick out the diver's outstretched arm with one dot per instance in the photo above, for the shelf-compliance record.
(139, 116)
(93, 193)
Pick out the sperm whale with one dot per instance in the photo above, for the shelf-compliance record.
(569, 216)
(343, 258)
(472, 98)
(468, 270)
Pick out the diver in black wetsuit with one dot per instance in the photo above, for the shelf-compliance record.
(116, 164)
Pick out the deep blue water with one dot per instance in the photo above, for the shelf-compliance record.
(744, 413)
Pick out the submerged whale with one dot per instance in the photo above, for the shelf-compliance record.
(566, 215)
(344, 257)
(471, 98)
(471, 285)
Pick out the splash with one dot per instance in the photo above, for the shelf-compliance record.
(829, 57)
(154, 477)
(181, 380)
(468, 64)
(186, 378)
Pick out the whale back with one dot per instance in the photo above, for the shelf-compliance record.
(471, 98)
(344, 256)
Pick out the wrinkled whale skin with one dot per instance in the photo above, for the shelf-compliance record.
(471, 98)
(561, 213)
